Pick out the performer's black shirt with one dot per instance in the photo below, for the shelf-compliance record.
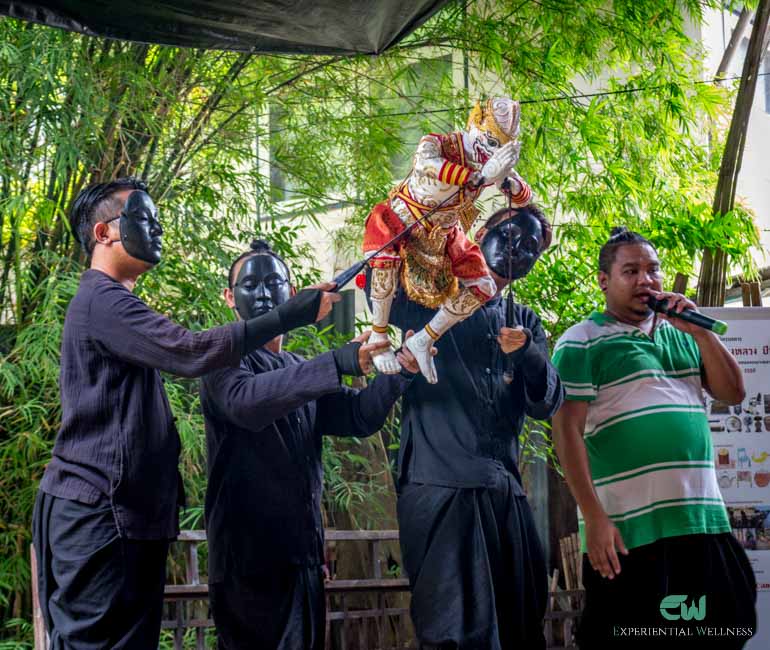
(117, 435)
(264, 423)
(464, 430)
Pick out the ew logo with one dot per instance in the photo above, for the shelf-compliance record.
(685, 613)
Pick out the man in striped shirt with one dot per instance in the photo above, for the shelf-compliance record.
(634, 443)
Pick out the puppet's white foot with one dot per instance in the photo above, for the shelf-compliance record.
(420, 346)
(385, 361)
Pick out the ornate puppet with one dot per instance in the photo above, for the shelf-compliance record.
(436, 264)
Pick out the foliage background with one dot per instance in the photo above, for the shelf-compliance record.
(75, 110)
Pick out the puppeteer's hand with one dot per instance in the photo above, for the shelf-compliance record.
(407, 359)
(368, 350)
(511, 338)
(500, 163)
(511, 182)
(327, 299)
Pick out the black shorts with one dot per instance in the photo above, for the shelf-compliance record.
(628, 612)
(97, 590)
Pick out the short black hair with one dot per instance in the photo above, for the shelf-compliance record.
(532, 209)
(93, 204)
(257, 247)
(619, 236)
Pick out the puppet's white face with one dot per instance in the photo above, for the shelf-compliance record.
(483, 144)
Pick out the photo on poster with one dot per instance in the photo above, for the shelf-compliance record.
(751, 526)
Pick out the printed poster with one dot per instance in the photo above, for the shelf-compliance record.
(741, 436)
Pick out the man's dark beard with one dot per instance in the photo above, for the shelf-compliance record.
(646, 312)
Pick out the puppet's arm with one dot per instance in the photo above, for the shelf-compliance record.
(429, 162)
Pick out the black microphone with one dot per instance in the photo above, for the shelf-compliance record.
(690, 315)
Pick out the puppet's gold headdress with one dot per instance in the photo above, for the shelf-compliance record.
(499, 117)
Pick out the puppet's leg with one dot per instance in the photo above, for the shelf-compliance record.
(381, 226)
(454, 310)
(383, 288)
(469, 267)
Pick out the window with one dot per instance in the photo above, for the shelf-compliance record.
(281, 186)
(423, 78)
(766, 70)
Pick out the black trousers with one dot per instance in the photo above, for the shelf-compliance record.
(282, 608)
(715, 566)
(475, 566)
(98, 590)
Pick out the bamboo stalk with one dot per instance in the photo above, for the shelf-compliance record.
(574, 554)
(565, 563)
(580, 566)
(554, 587)
(713, 273)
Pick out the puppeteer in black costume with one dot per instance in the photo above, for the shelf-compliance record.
(264, 422)
(469, 544)
(108, 500)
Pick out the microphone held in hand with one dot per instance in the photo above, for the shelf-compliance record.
(690, 315)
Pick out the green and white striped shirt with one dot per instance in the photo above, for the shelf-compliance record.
(646, 431)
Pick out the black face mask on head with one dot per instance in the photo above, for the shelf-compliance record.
(140, 230)
(262, 284)
(512, 247)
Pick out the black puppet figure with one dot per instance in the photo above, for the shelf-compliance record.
(469, 544)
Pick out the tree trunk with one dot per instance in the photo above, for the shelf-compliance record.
(713, 273)
(744, 20)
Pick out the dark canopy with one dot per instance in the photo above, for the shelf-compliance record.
(290, 26)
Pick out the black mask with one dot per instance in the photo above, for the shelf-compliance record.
(512, 247)
(262, 284)
(140, 231)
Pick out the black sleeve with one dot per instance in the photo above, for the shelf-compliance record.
(346, 359)
(300, 310)
(542, 385)
(253, 402)
(128, 329)
(360, 413)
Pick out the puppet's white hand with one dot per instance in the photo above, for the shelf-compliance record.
(500, 162)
